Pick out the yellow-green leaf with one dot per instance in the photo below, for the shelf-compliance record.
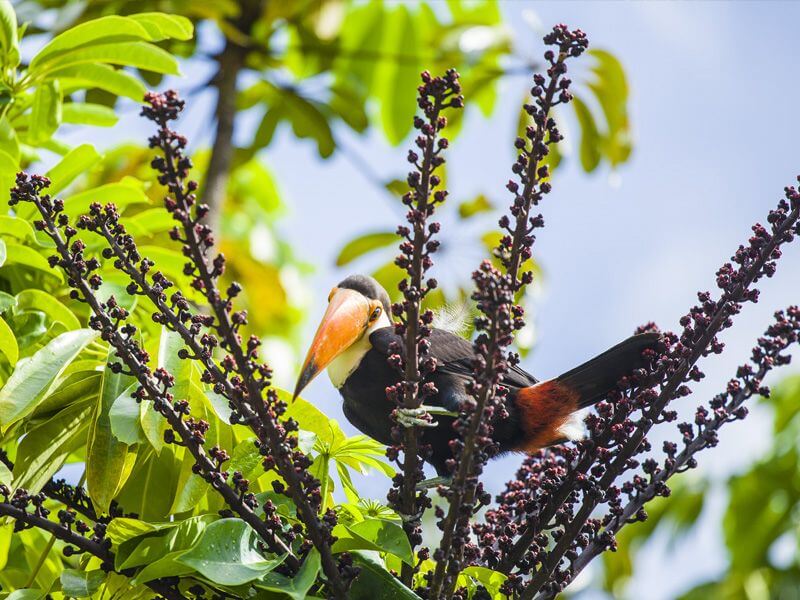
(108, 461)
(45, 113)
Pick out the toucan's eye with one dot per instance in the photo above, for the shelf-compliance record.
(375, 313)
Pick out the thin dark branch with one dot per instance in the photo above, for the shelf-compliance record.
(96, 546)
(74, 497)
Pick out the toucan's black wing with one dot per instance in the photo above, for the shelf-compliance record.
(453, 354)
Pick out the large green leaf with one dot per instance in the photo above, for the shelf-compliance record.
(46, 113)
(9, 143)
(108, 460)
(124, 418)
(17, 254)
(590, 136)
(146, 549)
(33, 299)
(399, 79)
(227, 554)
(141, 55)
(9, 44)
(103, 77)
(123, 193)
(151, 486)
(161, 26)
(153, 423)
(44, 449)
(81, 584)
(297, 587)
(33, 377)
(8, 343)
(8, 167)
(78, 161)
(375, 534)
(145, 26)
(374, 576)
(363, 244)
(83, 113)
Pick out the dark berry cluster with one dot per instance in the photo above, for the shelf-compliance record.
(495, 293)
(411, 357)
(542, 531)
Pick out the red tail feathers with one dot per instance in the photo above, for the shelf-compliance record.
(545, 409)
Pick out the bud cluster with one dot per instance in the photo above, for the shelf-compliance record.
(410, 356)
(542, 532)
(495, 294)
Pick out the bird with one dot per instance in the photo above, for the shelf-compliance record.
(353, 343)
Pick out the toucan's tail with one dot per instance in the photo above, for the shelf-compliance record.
(594, 379)
(546, 409)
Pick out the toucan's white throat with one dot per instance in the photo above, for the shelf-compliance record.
(341, 367)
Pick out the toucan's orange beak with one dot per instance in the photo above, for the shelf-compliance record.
(344, 322)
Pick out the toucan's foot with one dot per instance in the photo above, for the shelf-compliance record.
(434, 482)
(415, 417)
(412, 518)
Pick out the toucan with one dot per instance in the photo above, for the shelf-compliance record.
(353, 342)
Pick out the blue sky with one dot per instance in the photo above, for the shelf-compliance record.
(714, 108)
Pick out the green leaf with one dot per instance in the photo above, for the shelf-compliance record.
(17, 228)
(124, 418)
(8, 168)
(88, 114)
(150, 489)
(122, 529)
(5, 476)
(590, 136)
(162, 26)
(81, 584)
(151, 547)
(399, 79)
(110, 30)
(108, 461)
(103, 77)
(309, 122)
(227, 554)
(46, 113)
(27, 594)
(17, 254)
(124, 193)
(3, 252)
(9, 141)
(364, 244)
(373, 576)
(45, 448)
(88, 34)
(8, 343)
(8, 35)
(33, 299)
(79, 160)
(378, 535)
(141, 55)
(153, 423)
(297, 587)
(33, 377)
(478, 204)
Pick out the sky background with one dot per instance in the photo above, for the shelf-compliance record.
(714, 96)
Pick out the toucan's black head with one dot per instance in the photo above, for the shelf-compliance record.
(356, 304)
(369, 287)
